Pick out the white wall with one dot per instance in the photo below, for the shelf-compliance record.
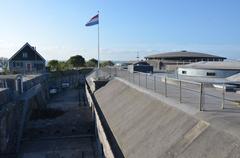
(203, 72)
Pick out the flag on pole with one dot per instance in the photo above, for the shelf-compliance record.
(93, 21)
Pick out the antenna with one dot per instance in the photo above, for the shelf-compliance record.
(137, 56)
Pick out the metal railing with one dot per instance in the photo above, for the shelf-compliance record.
(201, 95)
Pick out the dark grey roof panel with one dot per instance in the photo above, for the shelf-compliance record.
(32, 54)
(184, 54)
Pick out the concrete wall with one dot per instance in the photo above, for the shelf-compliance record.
(105, 141)
(13, 117)
(56, 79)
(14, 114)
(11, 124)
(145, 126)
(4, 95)
(155, 64)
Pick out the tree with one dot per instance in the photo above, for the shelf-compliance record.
(53, 65)
(107, 63)
(76, 61)
(63, 66)
(92, 63)
(3, 62)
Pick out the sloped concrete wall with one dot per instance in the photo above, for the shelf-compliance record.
(144, 126)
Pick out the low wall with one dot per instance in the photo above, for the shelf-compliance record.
(4, 96)
(144, 126)
(55, 79)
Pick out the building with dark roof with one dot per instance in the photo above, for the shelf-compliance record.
(171, 60)
(27, 60)
(140, 66)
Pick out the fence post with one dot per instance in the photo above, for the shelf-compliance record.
(165, 86)
(133, 77)
(154, 82)
(180, 91)
(139, 79)
(129, 76)
(110, 72)
(146, 80)
(223, 95)
(201, 97)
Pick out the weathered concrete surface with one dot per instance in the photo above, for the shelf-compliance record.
(4, 96)
(13, 117)
(69, 135)
(105, 142)
(15, 113)
(145, 126)
(75, 147)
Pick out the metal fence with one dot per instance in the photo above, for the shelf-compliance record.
(202, 95)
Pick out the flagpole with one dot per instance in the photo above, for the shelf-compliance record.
(98, 42)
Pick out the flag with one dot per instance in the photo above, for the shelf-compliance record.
(93, 21)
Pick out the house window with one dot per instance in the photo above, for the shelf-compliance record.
(25, 55)
(211, 74)
(184, 72)
(18, 64)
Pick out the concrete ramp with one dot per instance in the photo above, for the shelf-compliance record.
(145, 127)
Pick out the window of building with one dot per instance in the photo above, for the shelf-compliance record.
(211, 74)
(25, 55)
(18, 64)
(184, 72)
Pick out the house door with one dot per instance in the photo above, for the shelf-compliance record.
(28, 67)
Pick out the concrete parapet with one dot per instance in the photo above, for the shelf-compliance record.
(105, 141)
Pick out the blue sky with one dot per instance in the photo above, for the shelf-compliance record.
(56, 27)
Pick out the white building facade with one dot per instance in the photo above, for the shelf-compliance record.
(210, 69)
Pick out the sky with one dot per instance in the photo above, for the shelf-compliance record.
(57, 27)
